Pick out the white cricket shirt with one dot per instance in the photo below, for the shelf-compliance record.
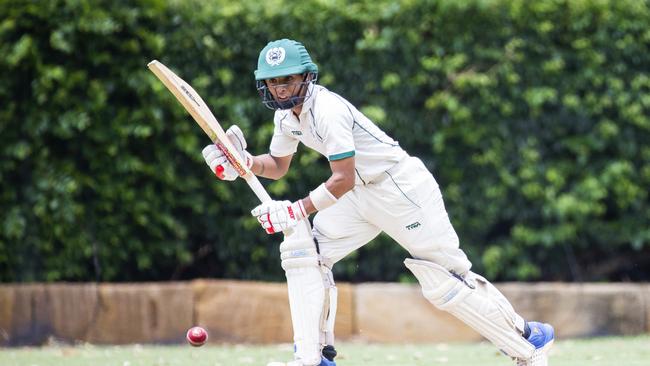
(332, 126)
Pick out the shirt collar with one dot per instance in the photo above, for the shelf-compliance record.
(310, 101)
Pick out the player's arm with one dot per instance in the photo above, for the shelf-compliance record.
(276, 216)
(269, 166)
(265, 165)
(339, 183)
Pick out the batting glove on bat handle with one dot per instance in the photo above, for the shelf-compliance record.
(217, 160)
(236, 136)
(277, 216)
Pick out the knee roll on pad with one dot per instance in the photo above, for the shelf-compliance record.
(298, 251)
(476, 302)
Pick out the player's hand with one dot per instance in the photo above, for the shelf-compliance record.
(277, 216)
(217, 161)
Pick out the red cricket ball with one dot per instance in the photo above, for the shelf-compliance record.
(197, 336)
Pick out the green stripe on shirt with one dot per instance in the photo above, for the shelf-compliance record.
(341, 156)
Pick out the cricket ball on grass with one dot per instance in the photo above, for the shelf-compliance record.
(196, 336)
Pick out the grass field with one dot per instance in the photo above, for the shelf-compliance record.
(625, 351)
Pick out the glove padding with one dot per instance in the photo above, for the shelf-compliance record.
(277, 216)
(217, 161)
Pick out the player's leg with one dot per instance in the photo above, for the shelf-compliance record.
(475, 301)
(312, 295)
(415, 217)
(407, 204)
(312, 292)
(339, 230)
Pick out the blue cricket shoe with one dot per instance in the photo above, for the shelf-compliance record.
(541, 334)
(326, 362)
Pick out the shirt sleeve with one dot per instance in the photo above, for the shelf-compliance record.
(282, 144)
(336, 133)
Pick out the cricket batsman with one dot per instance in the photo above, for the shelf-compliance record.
(374, 186)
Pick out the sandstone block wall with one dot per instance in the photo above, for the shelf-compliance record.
(399, 313)
(396, 313)
(256, 312)
(236, 311)
(578, 310)
(106, 313)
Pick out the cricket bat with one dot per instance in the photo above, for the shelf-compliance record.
(195, 105)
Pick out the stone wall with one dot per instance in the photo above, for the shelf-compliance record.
(575, 310)
(103, 314)
(256, 312)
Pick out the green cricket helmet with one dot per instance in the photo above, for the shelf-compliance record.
(282, 58)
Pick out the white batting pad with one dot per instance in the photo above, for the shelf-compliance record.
(311, 291)
(476, 302)
(539, 357)
(306, 298)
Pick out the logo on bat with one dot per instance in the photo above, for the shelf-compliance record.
(190, 95)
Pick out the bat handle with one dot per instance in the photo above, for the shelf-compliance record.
(257, 187)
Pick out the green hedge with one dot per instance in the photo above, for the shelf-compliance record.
(533, 116)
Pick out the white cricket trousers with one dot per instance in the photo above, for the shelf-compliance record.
(405, 202)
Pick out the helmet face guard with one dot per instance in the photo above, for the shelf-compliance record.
(304, 92)
(282, 58)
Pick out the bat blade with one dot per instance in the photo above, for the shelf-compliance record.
(198, 109)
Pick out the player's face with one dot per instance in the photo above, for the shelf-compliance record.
(285, 87)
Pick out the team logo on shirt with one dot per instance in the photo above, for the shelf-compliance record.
(275, 56)
(296, 133)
